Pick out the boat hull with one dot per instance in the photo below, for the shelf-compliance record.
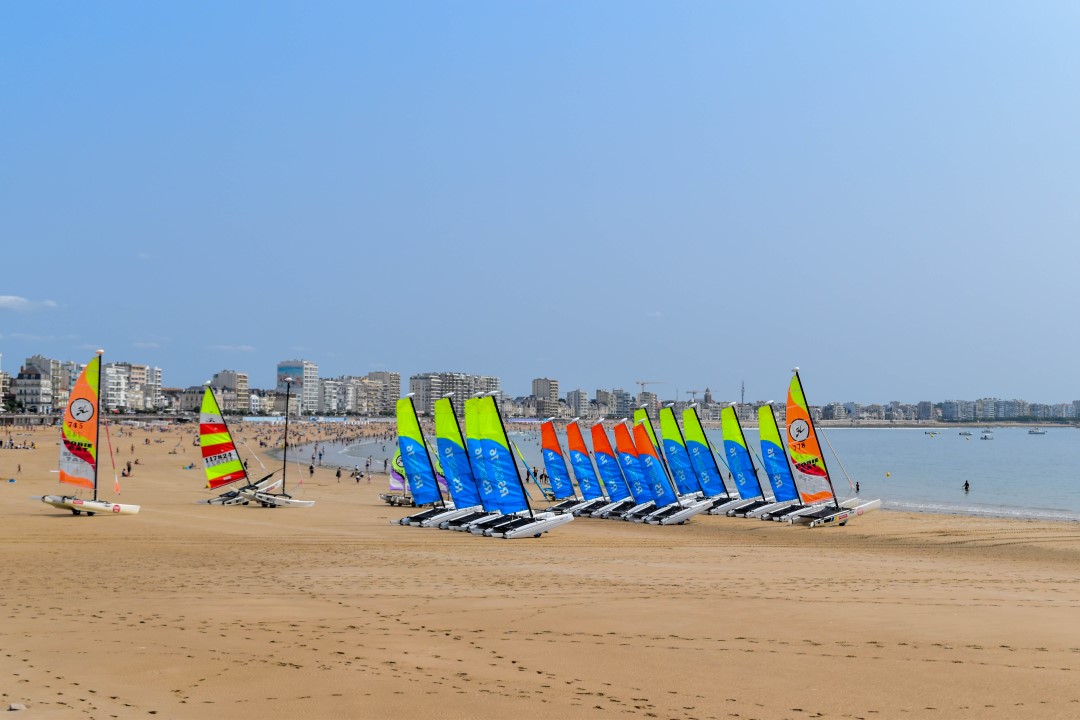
(77, 506)
(236, 497)
(538, 528)
(271, 500)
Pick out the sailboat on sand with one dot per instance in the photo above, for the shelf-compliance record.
(221, 462)
(79, 448)
(808, 463)
(280, 498)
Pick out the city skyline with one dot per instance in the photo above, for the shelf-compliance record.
(551, 389)
(698, 193)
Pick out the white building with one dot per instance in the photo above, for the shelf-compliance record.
(305, 383)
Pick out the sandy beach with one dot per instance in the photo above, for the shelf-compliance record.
(194, 611)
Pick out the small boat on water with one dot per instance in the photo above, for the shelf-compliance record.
(965, 432)
(1036, 431)
(986, 436)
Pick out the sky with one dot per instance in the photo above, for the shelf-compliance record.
(700, 194)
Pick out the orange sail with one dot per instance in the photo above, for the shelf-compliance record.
(79, 442)
(806, 457)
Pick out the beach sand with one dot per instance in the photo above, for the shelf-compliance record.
(194, 611)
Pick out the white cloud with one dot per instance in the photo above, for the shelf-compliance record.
(21, 304)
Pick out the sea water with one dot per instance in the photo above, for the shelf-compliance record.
(1013, 475)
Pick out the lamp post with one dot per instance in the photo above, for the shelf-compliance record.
(285, 453)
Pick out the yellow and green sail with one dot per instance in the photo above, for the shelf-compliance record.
(220, 460)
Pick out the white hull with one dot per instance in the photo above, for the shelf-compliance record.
(678, 518)
(78, 506)
(270, 500)
(538, 528)
(840, 517)
(730, 506)
(449, 515)
(235, 497)
(771, 507)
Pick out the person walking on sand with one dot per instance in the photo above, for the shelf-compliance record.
(338, 474)
(311, 470)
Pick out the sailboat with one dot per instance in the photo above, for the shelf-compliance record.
(562, 486)
(742, 468)
(691, 500)
(280, 498)
(419, 470)
(775, 459)
(671, 507)
(79, 448)
(482, 473)
(520, 521)
(808, 463)
(592, 493)
(634, 473)
(620, 499)
(221, 462)
(398, 494)
(703, 459)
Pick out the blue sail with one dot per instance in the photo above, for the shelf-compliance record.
(774, 457)
(701, 457)
(414, 455)
(501, 462)
(453, 457)
(582, 464)
(675, 451)
(631, 465)
(484, 481)
(608, 465)
(662, 489)
(738, 457)
(558, 475)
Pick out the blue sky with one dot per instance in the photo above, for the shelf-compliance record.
(884, 194)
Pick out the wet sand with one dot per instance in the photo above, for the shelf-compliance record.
(189, 611)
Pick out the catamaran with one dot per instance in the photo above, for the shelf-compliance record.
(519, 520)
(457, 467)
(691, 496)
(592, 492)
(634, 472)
(562, 486)
(808, 463)
(670, 507)
(774, 458)
(703, 460)
(419, 469)
(742, 468)
(277, 497)
(620, 499)
(221, 462)
(79, 448)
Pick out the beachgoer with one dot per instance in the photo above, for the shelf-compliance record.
(311, 470)
(384, 462)
(967, 486)
(856, 488)
(338, 474)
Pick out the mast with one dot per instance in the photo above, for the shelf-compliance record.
(517, 472)
(97, 432)
(810, 415)
(285, 453)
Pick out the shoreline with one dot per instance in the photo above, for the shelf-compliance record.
(243, 612)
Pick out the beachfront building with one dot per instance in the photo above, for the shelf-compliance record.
(577, 401)
(33, 390)
(305, 383)
(332, 396)
(546, 392)
(236, 385)
(387, 390)
(429, 387)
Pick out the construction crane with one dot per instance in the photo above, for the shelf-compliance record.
(693, 395)
(643, 383)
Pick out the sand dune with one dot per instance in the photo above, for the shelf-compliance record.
(188, 611)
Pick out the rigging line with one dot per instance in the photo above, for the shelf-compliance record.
(116, 478)
(838, 460)
(257, 458)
